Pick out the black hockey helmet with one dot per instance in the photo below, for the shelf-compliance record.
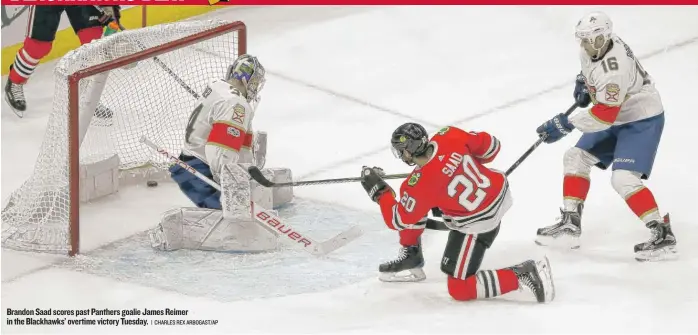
(409, 138)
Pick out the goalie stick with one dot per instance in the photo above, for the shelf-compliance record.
(270, 221)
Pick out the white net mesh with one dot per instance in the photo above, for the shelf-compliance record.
(146, 98)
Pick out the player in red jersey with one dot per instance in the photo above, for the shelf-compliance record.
(450, 175)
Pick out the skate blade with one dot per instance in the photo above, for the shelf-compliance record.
(562, 241)
(411, 275)
(545, 272)
(668, 253)
(16, 111)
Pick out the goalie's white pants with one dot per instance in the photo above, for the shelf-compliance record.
(230, 229)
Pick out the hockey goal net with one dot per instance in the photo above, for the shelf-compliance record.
(108, 94)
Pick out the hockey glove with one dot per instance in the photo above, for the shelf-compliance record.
(373, 183)
(581, 92)
(555, 129)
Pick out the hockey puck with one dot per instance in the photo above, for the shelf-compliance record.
(152, 183)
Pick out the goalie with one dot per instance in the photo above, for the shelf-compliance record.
(220, 144)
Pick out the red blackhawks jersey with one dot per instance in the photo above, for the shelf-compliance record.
(472, 197)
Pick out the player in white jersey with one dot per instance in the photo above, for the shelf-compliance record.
(623, 129)
(220, 144)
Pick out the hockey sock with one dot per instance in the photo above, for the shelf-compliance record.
(410, 237)
(27, 59)
(483, 284)
(642, 203)
(87, 35)
(574, 190)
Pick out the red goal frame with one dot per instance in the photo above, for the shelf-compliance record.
(74, 106)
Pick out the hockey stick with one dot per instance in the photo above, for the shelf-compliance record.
(180, 162)
(257, 175)
(269, 221)
(535, 145)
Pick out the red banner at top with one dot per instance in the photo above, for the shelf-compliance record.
(346, 2)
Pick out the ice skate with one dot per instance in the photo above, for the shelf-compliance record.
(103, 116)
(662, 245)
(406, 268)
(565, 233)
(536, 277)
(14, 95)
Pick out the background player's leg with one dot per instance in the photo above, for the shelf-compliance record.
(634, 157)
(85, 22)
(591, 149)
(461, 262)
(41, 31)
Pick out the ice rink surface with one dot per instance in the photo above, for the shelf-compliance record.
(339, 81)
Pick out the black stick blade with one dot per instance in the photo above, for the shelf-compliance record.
(257, 175)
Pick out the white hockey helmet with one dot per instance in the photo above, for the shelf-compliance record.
(594, 32)
(249, 71)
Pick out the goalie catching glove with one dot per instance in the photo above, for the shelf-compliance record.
(373, 183)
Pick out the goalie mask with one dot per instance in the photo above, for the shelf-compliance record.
(250, 72)
(593, 33)
(409, 140)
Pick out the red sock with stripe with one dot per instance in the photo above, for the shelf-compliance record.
(483, 284)
(642, 203)
(27, 59)
(574, 190)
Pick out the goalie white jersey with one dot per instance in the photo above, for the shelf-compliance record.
(620, 89)
(219, 129)
(220, 145)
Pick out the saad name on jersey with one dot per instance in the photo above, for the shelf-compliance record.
(452, 164)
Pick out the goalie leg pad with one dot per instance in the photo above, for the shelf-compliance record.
(282, 195)
(237, 191)
(263, 196)
(206, 229)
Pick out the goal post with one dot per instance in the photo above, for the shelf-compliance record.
(108, 94)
